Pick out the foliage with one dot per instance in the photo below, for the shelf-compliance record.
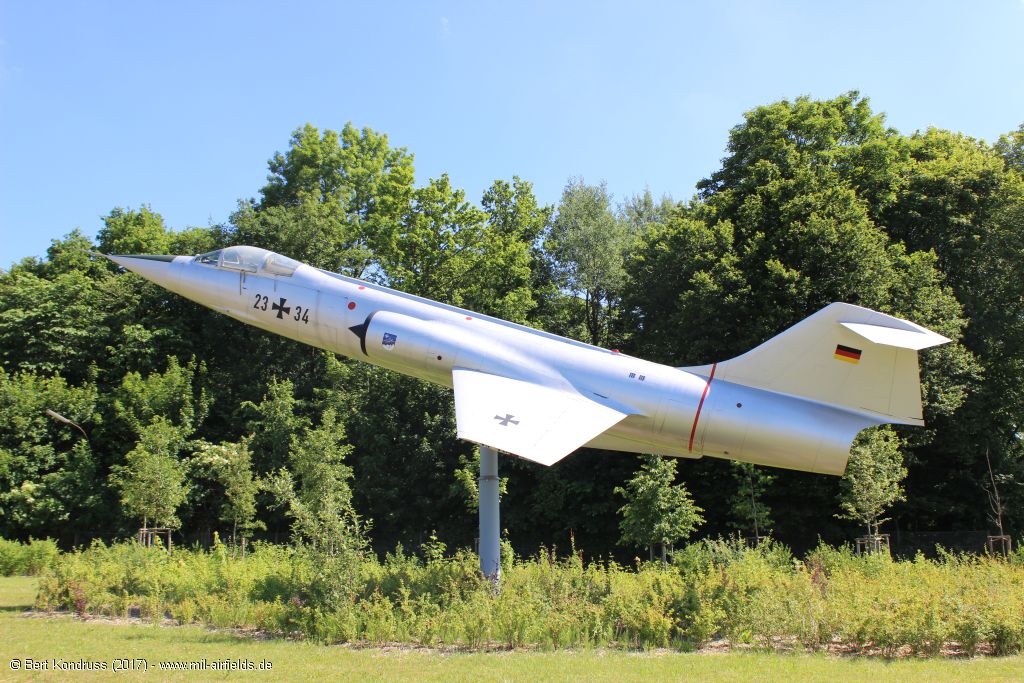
(365, 185)
(316, 489)
(231, 464)
(46, 467)
(133, 232)
(52, 325)
(758, 596)
(27, 559)
(588, 244)
(1011, 148)
(442, 241)
(466, 482)
(152, 480)
(656, 510)
(170, 395)
(750, 513)
(873, 479)
(807, 209)
(275, 420)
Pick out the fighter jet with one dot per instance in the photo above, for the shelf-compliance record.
(796, 401)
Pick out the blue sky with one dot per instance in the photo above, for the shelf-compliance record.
(180, 104)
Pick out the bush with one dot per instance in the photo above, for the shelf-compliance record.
(26, 559)
(716, 589)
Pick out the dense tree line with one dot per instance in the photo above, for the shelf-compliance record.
(815, 201)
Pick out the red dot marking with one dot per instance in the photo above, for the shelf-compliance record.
(362, 287)
(469, 317)
(351, 305)
(615, 351)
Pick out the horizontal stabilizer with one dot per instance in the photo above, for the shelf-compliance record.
(916, 339)
(535, 422)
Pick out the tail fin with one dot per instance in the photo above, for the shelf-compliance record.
(843, 355)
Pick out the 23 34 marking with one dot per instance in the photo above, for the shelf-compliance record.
(301, 312)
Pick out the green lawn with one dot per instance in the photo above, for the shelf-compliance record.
(72, 640)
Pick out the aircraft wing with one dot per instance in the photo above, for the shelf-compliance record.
(535, 422)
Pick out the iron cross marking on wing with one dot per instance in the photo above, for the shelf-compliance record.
(281, 309)
(505, 421)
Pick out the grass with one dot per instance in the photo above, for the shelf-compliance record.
(70, 639)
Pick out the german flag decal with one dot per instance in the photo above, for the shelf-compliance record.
(848, 354)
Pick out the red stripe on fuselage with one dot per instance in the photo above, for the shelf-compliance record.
(700, 405)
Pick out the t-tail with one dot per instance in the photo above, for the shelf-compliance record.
(799, 399)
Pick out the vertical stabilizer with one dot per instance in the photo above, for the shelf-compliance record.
(844, 356)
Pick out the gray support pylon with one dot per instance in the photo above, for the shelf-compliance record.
(490, 520)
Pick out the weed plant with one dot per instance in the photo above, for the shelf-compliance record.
(761, 596)
(26, 559)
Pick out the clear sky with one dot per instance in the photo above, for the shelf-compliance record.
(179, 104)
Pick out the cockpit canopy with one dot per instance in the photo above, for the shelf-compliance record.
(250, 259)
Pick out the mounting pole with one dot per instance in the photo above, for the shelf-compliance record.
(490, 520)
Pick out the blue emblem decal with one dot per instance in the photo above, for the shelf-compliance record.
(389, 341)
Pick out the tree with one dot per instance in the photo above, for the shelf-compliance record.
(231, 465)
(467, 484)
(73, 253)
(510, 276)
(314, 232)
(452, 251)
(656, 510)
(392, 419)
(317, 495)
(641, 212)
(310, 168)
(152, 480)
(367, 184)
(194, 241)
(873, 481)
(816, 201)
(47, 469)
(275, 423)
(588, 245)
(995, 501)
(963, 200)
(316, 491)
(57, 504)
(53, 325)
(1011, 148)
(750, 512)
(133, 232)
(686, 278)
(171, 396)
(810, 141)
(442, 241)
(801, 214)
(512, 209)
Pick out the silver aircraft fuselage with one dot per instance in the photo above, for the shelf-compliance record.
(603, 398)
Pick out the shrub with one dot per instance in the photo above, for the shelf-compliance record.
(759, 595)
(26, 559)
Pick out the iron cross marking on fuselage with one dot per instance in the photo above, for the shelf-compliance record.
(505, 421)
(281, 309)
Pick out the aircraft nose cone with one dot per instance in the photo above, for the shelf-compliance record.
(156, 268)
